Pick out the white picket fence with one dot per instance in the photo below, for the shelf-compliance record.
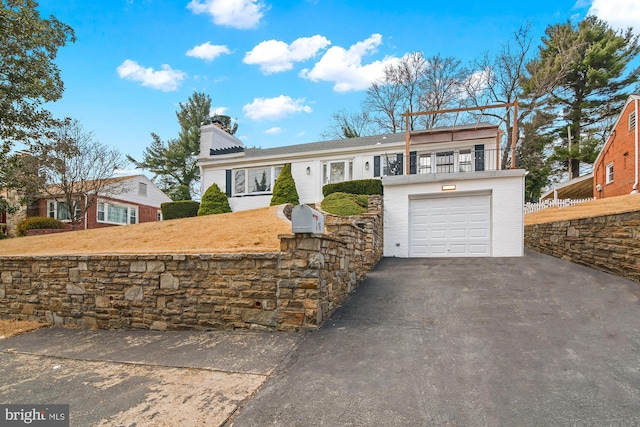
(549, 203)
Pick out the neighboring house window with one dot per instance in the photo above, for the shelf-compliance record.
(632, 120)
(61, 211)
(609, 173)
(337, 171)
(142, 189)
(255, 180)
(111, 213)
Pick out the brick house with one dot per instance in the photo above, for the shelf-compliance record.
(137, 201)
(616, 170)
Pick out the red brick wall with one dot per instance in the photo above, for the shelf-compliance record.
(620, 149)
(145, 214)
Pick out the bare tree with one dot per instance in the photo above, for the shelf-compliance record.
(349, 125)
(76, 169)
(441, 87)
(414, 84)
(498, 80)
(385, 105)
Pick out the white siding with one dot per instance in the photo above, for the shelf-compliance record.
(217, 176)
(154, 196)
(507, 198)
(249, 202)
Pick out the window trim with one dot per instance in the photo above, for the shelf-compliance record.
(245, 171)
(609, 173)
(348, 170)
(77, 214)
(130, 209)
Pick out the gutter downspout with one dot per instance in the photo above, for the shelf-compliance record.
(635, 184)
(86, 211)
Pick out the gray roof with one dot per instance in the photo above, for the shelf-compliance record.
(351, 142)
(325, 145)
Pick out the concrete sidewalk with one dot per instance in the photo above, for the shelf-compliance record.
(136, 377)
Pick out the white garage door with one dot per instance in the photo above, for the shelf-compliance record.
(450, 226)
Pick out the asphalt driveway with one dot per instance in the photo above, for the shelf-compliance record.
(525, 341)
(531, 341)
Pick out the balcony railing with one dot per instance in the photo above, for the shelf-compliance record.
(452, 161)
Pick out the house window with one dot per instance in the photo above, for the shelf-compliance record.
(444, 162)
(255, 180)
(142, 189)
(464, 161)
(424, 163)
(337, 171)
(61, 211)
(392, 164)
(111, 213)
(632, 120)
(609, 173)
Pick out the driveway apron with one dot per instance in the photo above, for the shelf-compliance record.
(527, 341)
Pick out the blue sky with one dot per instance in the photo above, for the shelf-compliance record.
(280, 68)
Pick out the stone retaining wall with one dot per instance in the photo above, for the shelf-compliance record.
(291, 290)
(609, 243)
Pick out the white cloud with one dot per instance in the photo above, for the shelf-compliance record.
(275, 56)
(240, 14)
(620, 14)
(208, 51)
(218, 111)
(344, 66)
(166, 79)
(273, 131)
(274, 108)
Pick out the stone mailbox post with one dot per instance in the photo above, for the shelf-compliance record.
(306, 220)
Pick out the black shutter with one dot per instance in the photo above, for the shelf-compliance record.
(413, 162)
(400, 170)
(227, 184)
(479, 155)
(376, 165)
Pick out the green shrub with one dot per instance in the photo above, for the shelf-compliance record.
(284, 189)
(2, 235)
(359, 186)
(344, 204)
(214, 201)
(38, 223)
(179, 209)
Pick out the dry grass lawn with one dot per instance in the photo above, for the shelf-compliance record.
(248, 231)
(11, 328)
(611, 205)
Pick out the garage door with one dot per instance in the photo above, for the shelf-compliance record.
(450, 226)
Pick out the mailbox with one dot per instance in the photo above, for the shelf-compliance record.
(306, 220)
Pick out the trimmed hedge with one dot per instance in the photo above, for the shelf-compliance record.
(38, 223)
(214, 201)
(179, 209)
(284, 189)
(360, 186)
(345, 204)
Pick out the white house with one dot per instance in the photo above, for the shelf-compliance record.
(444, 192)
